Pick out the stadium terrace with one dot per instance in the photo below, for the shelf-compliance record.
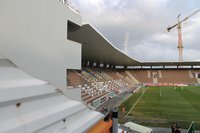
(60, 75)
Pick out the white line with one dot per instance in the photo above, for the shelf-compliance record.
(160, 93)
(135, 104)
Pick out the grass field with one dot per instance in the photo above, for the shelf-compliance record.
(161, 106)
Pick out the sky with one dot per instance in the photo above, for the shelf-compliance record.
(139, 27)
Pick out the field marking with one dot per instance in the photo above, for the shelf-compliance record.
(168, 119)
(135, 104)
(160, 93)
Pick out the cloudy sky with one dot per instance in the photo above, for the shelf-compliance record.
(143, 23)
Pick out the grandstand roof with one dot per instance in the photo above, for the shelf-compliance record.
(184, 63)
(98, 49)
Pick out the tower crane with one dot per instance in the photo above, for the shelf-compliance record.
(178, 25)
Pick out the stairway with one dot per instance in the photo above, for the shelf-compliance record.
(132, 77)
(155, 80)
(149, 74)
(190, 74)
(159, 74)
(198, 80)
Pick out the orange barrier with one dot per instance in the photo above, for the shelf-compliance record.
(101, 127)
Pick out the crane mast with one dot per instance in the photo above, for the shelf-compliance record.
(180, 45)
(178, 25)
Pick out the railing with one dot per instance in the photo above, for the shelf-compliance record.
(72, 7)
(69, 4)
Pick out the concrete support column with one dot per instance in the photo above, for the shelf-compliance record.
(84, 63)
(87, 63)
(91, 63)
(125, 67)
(105, 65)
(115, 120)
(97, 65)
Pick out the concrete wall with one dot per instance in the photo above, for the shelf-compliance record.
(33, 34)
(74, 94)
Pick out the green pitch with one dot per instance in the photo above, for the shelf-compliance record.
(161, 106)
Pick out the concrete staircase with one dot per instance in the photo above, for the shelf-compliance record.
(190, 74)
(155, 77)
(155, 80)
(198, 80)
(149, 74)
(132, 77)
(159, 74)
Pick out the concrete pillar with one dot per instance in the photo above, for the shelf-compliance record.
(97, 65)
(115, 120)
(105, 65)
(91, 63)
(84, 63)
(125, 67)
(87, 63)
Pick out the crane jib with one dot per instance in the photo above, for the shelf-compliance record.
(178, 25)
(171, 27)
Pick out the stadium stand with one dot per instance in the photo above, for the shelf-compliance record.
(176, 76)
(164, 76)
(99, 84)
(35, 91)
(142, 76)
(195, 74)
(74, 79)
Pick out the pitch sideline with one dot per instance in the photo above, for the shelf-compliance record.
(135, 103)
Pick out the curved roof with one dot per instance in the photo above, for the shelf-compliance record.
(184, 63)
(97, 48)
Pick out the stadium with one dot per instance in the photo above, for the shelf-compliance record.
(60, 75)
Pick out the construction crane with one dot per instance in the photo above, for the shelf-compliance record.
(178, 25)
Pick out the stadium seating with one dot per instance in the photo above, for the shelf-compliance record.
(74, 79)
(176, 76)
(164, 76)
(142, 76)
(195, 75)
(99, 84)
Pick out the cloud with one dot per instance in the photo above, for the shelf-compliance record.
(146, 22)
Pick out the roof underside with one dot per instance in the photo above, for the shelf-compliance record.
(96, 48)
(185, 63)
